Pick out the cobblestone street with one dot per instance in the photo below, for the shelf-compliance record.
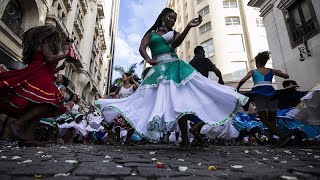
(140, 162)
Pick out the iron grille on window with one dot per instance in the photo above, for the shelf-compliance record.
(12, 17)
(301, 21)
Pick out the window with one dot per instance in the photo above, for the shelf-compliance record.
(232, 21)
(60, 11)
(230, 4)
(235, 43)
(199, 1)
(259, 22)
(204, 28)
(12, 17)
(239, 70)
(302, 21)
(208, 48)
(204, 11)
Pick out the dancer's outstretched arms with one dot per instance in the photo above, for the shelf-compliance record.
(143, 49)
(243, 80)
(180, 37)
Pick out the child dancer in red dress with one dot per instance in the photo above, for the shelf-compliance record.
(29, 93)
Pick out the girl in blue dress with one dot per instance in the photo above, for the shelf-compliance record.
(263, 93)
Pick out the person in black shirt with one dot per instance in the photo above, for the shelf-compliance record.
(289, 96)
(203, 65)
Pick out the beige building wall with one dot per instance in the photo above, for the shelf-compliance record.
(278, 17)
(231, 47)
(81, 20)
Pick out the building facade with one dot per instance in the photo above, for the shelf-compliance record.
(81, 20)
(112, 24)
(293, 35)
(231, 33)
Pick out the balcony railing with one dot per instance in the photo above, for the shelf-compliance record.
(79, 26)
(100, 10)
(79, 62)
(304, 30)
(94, 49)
(97, 27)
(84, 5)
(12, 24)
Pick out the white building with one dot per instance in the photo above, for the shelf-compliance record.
(112, 24)
(231, 33)
(80, 20)
(293, 35)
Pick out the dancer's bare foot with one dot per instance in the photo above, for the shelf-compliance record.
(184, 145)
(18, 131)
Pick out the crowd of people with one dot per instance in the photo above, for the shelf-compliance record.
(175, 102)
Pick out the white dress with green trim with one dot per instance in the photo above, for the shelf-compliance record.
(171, 89)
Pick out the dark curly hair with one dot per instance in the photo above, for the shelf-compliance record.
(158, 22)
(71, 97)
(262, 58)
(36, 37)
(287, 83)
(65, 80)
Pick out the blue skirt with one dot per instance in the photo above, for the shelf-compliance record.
(244, 122)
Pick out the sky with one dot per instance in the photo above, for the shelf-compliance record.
(135, 18)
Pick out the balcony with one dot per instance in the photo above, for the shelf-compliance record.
(12, 24)
(303, 31)
(84, 5)
(100, 10)
(59, 22)
(102, 40)
(94, 87)
(94, 49)
(79, 62)
(78, 26)
(67, 4)
(97, 27)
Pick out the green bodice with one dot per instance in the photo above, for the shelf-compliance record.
(158, 45)
(170, 69)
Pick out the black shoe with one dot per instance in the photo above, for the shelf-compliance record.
(285, 142)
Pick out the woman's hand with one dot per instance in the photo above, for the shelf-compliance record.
(195, 22)
(71, 54)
